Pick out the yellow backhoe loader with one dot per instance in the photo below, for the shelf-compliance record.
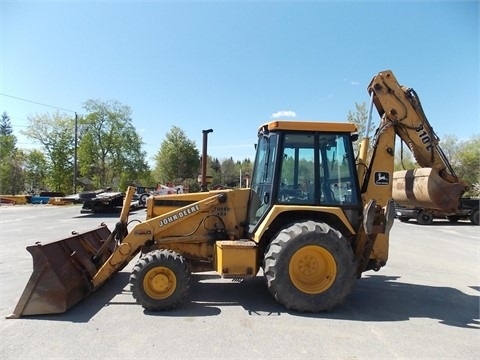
(314, 219)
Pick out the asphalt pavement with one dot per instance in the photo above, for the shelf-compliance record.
(423, 305)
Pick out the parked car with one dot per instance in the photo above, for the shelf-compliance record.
(468, 210)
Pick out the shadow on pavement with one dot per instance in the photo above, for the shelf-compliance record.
(383, 298)
(115, 213)
(442, 222)
(374, 298)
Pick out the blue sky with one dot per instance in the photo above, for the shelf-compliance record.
(231, 65)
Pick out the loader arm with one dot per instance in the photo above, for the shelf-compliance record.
(146, 231)
(68, 270)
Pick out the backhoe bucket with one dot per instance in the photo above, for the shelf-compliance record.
(424, 188)
(62, 271)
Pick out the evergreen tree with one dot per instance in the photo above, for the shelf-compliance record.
(5, 125)
(11, 181)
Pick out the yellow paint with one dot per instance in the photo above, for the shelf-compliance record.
(312, 269)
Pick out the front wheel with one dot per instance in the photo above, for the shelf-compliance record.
(309, 267)
(424, 218)
(160, 280)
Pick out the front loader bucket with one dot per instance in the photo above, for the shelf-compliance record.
(424, 188)
(62, 271)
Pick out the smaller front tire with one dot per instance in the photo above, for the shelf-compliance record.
(160, 280)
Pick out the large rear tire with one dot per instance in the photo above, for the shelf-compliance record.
(309, 267)
(160, 280)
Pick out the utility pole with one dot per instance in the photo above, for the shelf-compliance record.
(75, 156)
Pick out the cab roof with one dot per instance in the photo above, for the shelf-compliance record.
(280, 125)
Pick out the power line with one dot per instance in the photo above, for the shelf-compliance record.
(37, 103)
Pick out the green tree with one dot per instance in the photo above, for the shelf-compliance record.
(36, 169)
(11, 166)
(449, 145)
(5, 125)
(464, 156)
(404, 159)
(17, 174)
(56, 135)
(246, 167)
(110, 150)
(214, 169)
(359, 117)
(178, 158)
(230, 172)
(468, 169)
(8, 161)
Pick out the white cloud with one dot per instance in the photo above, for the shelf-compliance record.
(352, 82)
(284, 114)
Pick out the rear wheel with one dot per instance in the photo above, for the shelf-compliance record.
(309, 267)
(474, 217)
(453, 218)
(143, 199)
(160, 280)
(424, 218)
(96, 208)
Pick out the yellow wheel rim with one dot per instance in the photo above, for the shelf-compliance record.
(312, 269)
(159, 283)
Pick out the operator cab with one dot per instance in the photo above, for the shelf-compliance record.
(304, 164)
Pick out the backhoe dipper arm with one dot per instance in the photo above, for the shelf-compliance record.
(145, 231)
(400, 108)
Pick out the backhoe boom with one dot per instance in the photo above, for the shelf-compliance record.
(435, 185)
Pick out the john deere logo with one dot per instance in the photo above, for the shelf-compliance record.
(382, 178)
(179, 215)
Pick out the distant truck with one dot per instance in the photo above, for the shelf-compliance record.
(468, 210)
(101, 201)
